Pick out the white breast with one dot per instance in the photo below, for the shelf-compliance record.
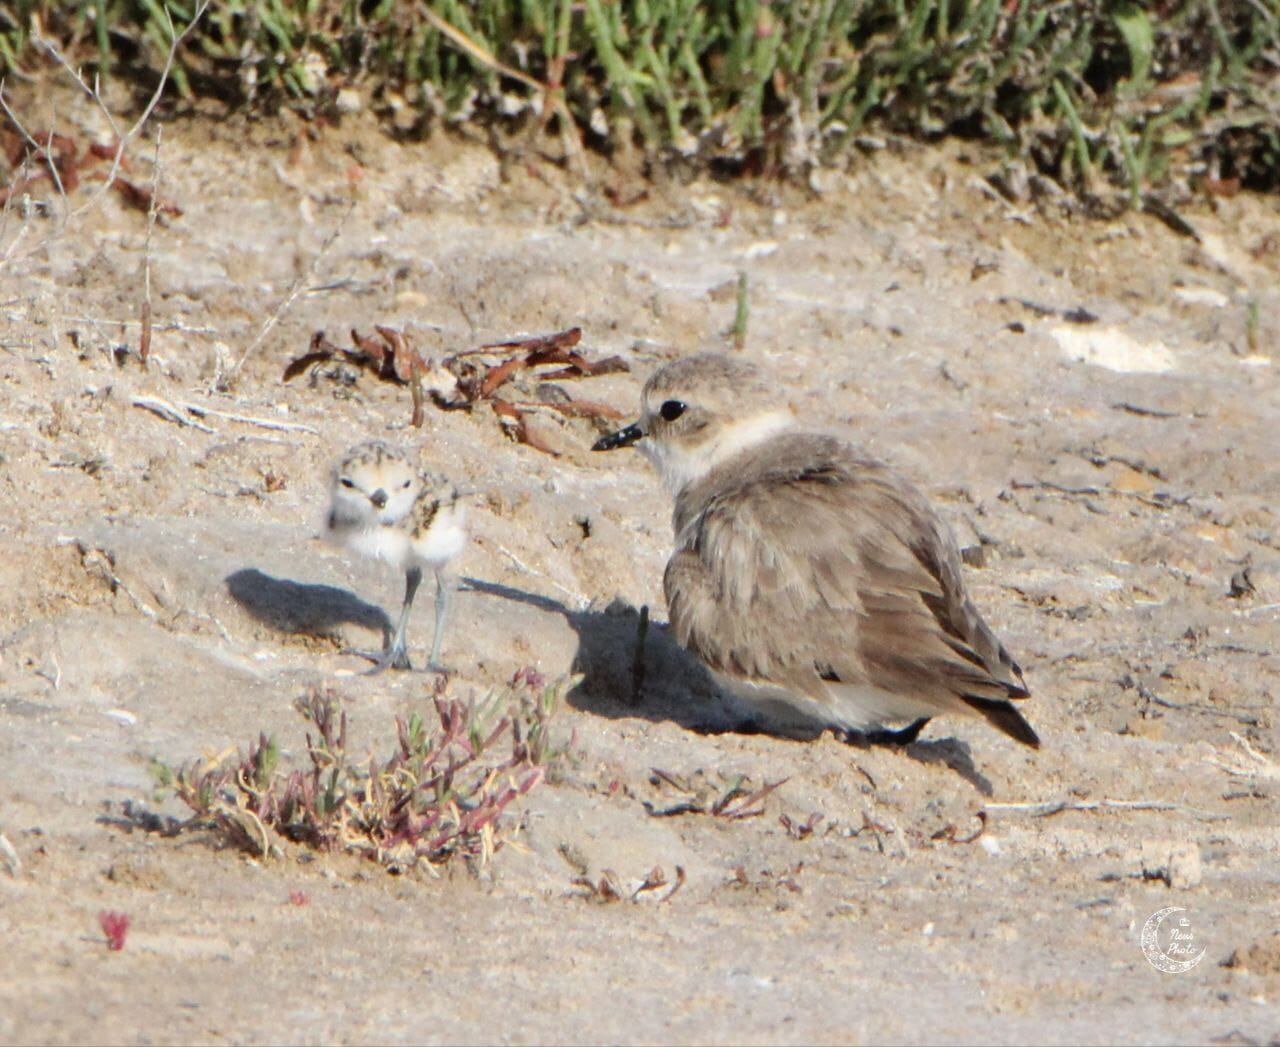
(444, 539)
(390, 544)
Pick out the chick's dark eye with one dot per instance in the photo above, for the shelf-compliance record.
(405, 484)
(348, 482)
(671, 410)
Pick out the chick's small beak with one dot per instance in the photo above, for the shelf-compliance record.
(622, 438)
(379, 498)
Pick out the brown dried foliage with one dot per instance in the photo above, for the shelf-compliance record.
(61, 153)
(469, 377)
(609, 887)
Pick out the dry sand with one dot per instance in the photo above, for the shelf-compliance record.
(164, 594)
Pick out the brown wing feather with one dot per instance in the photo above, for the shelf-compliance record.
(851, 565)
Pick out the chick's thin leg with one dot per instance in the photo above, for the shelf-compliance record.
(396, 654)
(443, 588)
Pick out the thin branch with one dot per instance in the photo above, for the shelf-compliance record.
(169, 412)
(1247, 762)
(580, 600)
(122, 141)
(1052, 807)
(171, 325)
(263, 423)
(294, 290)
(144, 340)
(45, 150)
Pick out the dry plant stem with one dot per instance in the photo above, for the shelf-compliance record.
(122, 141)
(289, 299)
(21, 177)
(172, 325)
(638, 665)
(201, 411)
(579, 600)
(552, 93)
(1051, 807)
(144, 340)
(170, 413)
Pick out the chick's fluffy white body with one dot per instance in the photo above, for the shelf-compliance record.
(381, 507)
(385, 540)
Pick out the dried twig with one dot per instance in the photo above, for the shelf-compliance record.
(579, 600)
(1051, 807)
(169, 325)
(144, 340)
(12, 863)
(123, 140)
(1246, 762)
(950, 833)
(735, 801)
(638, 662)
(96, 560)
(1195, 707)
(201, 411)
(45, 151)
(170, 413)
(295, 289)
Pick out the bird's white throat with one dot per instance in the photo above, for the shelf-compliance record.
(680, 466)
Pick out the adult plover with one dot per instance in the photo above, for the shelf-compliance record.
(819, 586)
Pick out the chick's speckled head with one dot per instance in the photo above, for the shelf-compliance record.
(373, 483)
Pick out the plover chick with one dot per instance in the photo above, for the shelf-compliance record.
(381, 506)
(819, 586)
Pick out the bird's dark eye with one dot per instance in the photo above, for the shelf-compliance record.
(348, 482)
(671, 410)
(405, 485)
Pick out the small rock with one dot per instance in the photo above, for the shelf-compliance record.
(1261, 958)
(349, 100)
(1261, 581)
(1177, 864)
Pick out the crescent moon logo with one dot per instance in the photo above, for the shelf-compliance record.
(1157, 956)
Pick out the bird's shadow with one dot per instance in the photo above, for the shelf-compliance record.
(302, 608)
(670, 685)
(952, 753)
(673, 685)
(665, 684)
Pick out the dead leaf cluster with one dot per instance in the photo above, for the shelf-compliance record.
(467, 378)
(59, 158)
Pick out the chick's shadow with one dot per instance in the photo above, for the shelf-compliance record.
(303, 609)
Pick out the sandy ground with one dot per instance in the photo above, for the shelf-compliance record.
(164, 594)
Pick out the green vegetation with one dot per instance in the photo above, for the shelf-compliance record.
(1139, 94)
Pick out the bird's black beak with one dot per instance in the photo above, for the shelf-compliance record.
(379, 498)
(622, 438)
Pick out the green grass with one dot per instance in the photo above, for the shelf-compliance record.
(1089, 92)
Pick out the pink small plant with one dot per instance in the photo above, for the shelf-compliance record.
(299, 898)
(115, 925)
(530, 678)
